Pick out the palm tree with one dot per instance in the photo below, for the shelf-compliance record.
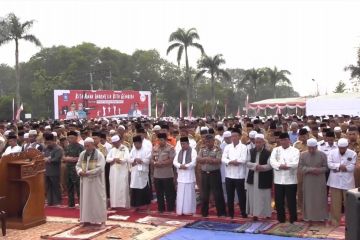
(12, 29)
(253, 77)
(274, 77)
(211, 65)
(183, 39)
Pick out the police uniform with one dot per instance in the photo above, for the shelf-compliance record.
(355, 146)
(211, 182)
(72, 179)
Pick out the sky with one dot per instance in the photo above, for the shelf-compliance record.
(311, 39)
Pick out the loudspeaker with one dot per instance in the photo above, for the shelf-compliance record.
(352, 214)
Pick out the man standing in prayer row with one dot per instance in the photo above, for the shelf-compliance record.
(185, 162)
(139, 184)
(72, 153)
(91, 169)
(259, 180)
(53, 155)
(209, 158)
(162, 159)
(234, 157)
(341, 163)
(284, 160)
(118, 157)
(313, 165)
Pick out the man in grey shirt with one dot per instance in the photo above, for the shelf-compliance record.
(162, 159)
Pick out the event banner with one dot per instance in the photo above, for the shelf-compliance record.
(87, 104)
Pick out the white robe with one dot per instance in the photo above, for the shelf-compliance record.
(140, 172)
(186, 197)
(92, 191)
(258, 201)
(119, 177)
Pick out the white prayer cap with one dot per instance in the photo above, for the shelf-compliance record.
(252, 134)
(343, 142)
(259, 135)
(47, 127)
(7, 132)
(62, 126)
(55, 134)
(112, 131)
(307, 128)
(32, 132)
(26, 135)
(115, 138)
(122, 127)
(156, 128)
(89, 140)
(311, 142)
(219, 123)
(227, 134)
(204, 129)
(337, 129)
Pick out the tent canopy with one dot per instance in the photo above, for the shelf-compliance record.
(334, 104)
(279, 103)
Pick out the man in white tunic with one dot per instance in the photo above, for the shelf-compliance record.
(90, 167)
(13, 146)
(185, 162)
(118, 158)
(284, 160)
(341, 163)
(259, 180)
(140, 188)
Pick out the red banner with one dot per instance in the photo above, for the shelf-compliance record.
(87, 104)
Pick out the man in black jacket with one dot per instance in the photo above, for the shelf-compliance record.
(259, 180)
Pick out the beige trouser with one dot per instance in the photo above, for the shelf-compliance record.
(338, 196)
(300, 194)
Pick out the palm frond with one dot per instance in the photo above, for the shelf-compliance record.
(199, 74)
(224, 74)
(31, 38)
(198, 46)
(172, 46)
(5, 40)
(178, 35)
(179, 55)
(27, 25)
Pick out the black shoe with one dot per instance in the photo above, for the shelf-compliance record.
(255, 219)
(244, 215)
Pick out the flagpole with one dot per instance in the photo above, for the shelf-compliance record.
(13, 109)
(156, 107)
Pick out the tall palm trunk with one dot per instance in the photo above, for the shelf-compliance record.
(213, 94)
(17, 74)
(274, 89)
(187, 76)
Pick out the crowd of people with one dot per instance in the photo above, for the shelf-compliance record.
(297, 162)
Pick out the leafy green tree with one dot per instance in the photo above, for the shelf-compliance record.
(253, 77)
(11, 29)
(276, 77)
(7, 76)
(340, 87)
(211, 65)
(183, 39)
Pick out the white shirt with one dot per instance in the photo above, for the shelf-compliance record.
(108, 146)
(192, 144)
(122, 153)
(238, 153)
(289, 157)
(220, 138)
(186, 175)
(10, 149)
(337, 179)
(140, 172)
(326, 148)
(146, 143)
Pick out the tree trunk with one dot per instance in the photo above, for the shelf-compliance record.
(17, 76)
(212, 94)
(187, 78)
(274, 88)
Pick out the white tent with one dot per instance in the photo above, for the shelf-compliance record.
(332, 104)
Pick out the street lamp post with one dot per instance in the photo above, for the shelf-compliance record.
(317, 87)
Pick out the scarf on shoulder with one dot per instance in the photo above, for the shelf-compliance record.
(187, 157)
(93, 159)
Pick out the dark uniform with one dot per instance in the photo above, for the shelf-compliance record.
(72, 179)
(355, 146)
(211, 182)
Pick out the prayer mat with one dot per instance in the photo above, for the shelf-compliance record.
(135, 231)
(255, 227)
(118, 217)
(215, 226)
(289, 230)
(36, 232)
(164, 221)
(319, 231)
(79, 232)
(337, 233)
(197, 234)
